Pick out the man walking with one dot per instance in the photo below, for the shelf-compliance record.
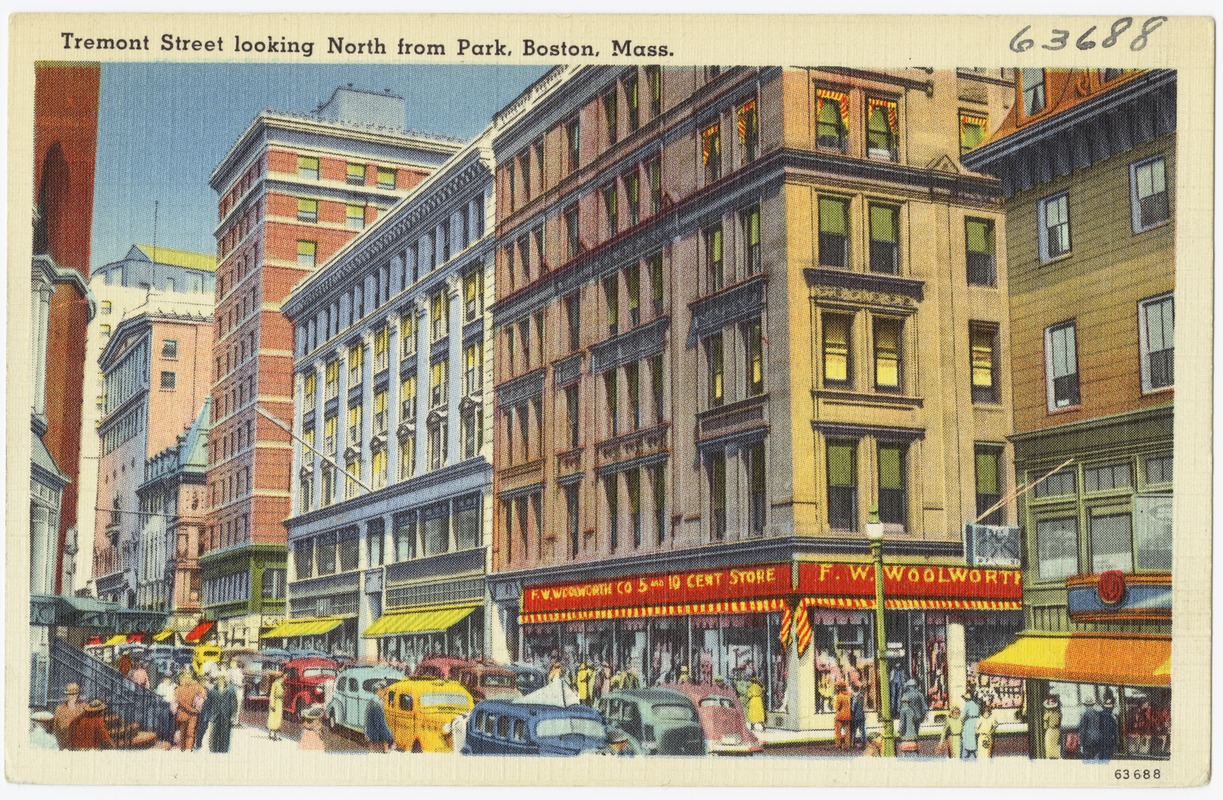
(189, 699)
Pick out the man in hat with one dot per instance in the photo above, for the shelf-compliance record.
(917, 700)
(1051, 721)
(189, 699)
(40, 730)
(842, 715)
(618, 744)
(66, 715)
(1089, 729)
(968, 736)
(89, 732)
(602, 680)
(1110, 731)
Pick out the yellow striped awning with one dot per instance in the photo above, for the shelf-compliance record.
(928, 604)
(118, 638)
(306, 626)
(680, 610)
(418, 620)
(166, 634)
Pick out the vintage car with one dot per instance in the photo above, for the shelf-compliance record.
(722, 717)
(257, 669)
(508, 728)
(663, 721)
(529, 678)
(418, 711)
(203, 654)
(483, 680)
(355, 689)
(304, 682)
(168, 659)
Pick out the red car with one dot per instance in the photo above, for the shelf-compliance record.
(304, 679)
(722, 717)
(483, 680)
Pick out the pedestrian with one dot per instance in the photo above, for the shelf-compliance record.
(237, 679)
(1051, 723)
(755, 704)
(205, 718)
(377, 732)
(457, 728)
(874, 745)
(843, 716)
(971, 715)
(857, 718)
(124, 664)
(89, 732)
(909, 727)
(276, 704)
(40, 730)
(554, 672)
(66, 715)
(1089, 729)
(165, 690)
(224, 701)
(949, 742)
(1110, 732)
(987, 726)
(139, 675)
(896, 684)
(602, 680)
(617, 744)
(312, 729)
(585, 685)
(188, 700)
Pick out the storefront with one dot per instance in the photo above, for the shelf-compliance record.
(407, 635)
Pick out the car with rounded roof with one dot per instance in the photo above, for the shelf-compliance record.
(663, 721)
(509, 728)
(418, 711)
(722, 717)
(304, 682)
(355, 688)
(483, 679)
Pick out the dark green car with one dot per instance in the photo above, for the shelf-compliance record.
(662, 721)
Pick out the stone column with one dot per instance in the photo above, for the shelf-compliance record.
(422, 383)
(957, 677)
(454, 373)
(800, 685)
(367, 409)
(394, 354)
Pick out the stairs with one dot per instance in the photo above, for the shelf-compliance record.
(131, 709)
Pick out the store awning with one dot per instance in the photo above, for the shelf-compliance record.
(163, 635)
(199, 631)
(135, 637)
(307, 626)
(1125, 660)
(118, 638)
(420, 620)
(924, 604)
(680, 610)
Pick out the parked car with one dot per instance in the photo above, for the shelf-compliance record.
(257, 669)
(203, 654)
(355, 689)
(304, 679)
(485, 681)
(663, 721)
(169, 660)
(506, 728)
(722, 717)
(529, 678)
(418, 710)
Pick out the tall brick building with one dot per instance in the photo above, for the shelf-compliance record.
(293, 189)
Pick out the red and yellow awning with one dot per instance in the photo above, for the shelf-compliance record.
(677, 610)
(921, 604)
(1133, 660)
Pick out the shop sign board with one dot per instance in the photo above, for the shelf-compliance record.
(659, 589)
(992, 545)
(924, 581)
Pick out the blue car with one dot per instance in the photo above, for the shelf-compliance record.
(355, 689)
(506, 728)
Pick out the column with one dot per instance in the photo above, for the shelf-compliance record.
(392, 398)
(957, 661)
(454, 373)
(800, 685)
(367, 409)
(300, 454)
(422, 383)
(320, 375)
(42, 306)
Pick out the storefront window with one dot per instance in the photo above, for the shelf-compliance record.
(1143, 715)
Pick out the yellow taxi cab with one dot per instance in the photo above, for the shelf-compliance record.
(202, 655)
(418, 709)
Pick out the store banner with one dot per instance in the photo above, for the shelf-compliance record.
(661, 589)
(916, 581)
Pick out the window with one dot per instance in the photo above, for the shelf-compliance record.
(307, 210)
(524, 256)
(653, 77)
(573, 242)
(437, 383)
(437, 444)
(355, 216)
(439, 313)
(885, 240)
(1061, 367)
(525, 160)
(331, 381)
(356, 174)
(834, 232)
(169, 380)
(988, 463)
(983, 348)
(473, 431)
(1112, 542)
(309, 391)
(356, 361)
(654, 170)
(756, 503)
(893, 501)
(407, 399)
(1148, 194)
(842, 485)
(837, 366)
(632, 377)
(979, 251)
(749, 129)
(382, 344)
(973, 128)
(632, 480)
(632, 287)
(511, 180)
(573, 143)
(573, 415)
(305, 254)
(713, 258)
(407, 332)
(713, 356)
(1107, 477)
(632, 101)
(611, 295)
(1054, 227)
(717, 495)
(573, 318)
(1063, 482)
(611, 209)
(354, 426)
(1156, 328)
(657, 386)
(656, 282)
(882, 129)
(609, 114)
(754, 355)
(632, 196)
(611, 389)
(169, 348)
(1033, 83)
(887, 354)
(307, 167)
(711, 152)
(832, 120)
(749, 220)
(386, 178)
(572, 523)
(1158, 469)
(611, 488)
(1057, 547)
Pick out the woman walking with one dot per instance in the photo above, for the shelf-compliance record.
(312, 729)
(986, 727)
(909, 722)
(276, 705)
(953, 729)
(1051, 720)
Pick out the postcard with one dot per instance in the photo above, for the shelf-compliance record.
(600, 400)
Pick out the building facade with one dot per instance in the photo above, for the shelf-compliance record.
(392, 458)
(155, 375)
(1087, 160)
(736, 309)
(293, 190)
(146, 277)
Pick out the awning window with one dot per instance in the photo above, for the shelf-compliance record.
(421, 620)
(678, 610)
(199, 631)
(1125, 660)
(118, 638)
(308, 626)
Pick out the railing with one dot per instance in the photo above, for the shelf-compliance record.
(124, 699)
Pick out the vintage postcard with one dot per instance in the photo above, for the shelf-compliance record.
(828, 405)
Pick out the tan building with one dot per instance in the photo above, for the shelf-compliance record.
(736, 309)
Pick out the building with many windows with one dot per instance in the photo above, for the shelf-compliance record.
(293, 190)
(1087, 161)
(392, 461)
(736, 309)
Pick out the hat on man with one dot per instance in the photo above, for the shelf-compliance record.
(1052, 702)
(967, 695)
(72, 688)
(616, 736)
(95, 706)
(1089, 701)
(42, 716)
(313, 712)
(910, 682)
(1109, 702)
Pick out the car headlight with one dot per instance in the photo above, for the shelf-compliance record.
(731, 738)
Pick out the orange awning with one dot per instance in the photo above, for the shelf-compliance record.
(685, 609)
(1083, 658)
(199, 631)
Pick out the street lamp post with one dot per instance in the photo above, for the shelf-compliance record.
(874, 535)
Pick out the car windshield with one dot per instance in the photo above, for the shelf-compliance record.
(673, 711)
(373, 684)
(317, 672)
(442, 699)
(560, 726)
(717, 702)
(499, 681)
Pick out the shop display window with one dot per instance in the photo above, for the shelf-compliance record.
(1143, 714)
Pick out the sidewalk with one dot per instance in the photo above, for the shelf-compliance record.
(781, 737)
(248, 740)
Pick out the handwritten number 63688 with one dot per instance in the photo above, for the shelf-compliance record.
(1060, 37)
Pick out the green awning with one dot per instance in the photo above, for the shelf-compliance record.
(308, 626)
(418, 620)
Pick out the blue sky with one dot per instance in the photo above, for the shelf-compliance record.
(163, 128)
